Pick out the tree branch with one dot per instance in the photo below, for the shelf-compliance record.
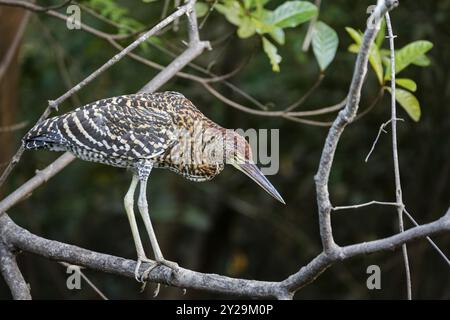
(344, 117)
(398, 185)
(194, 49)
(12, 275)
(21, 239)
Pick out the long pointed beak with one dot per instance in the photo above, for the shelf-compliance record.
(252, 171)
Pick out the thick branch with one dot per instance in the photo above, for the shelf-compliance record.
(21, 239)
(24, 240)
(40, 178)
(344, 117)
(311, 271)
(12, 275)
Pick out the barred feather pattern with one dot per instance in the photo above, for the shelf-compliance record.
(126, 130)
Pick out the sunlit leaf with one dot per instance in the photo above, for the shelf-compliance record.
(232, 12)
(325, 43)
(353, 48)
(409, 102)
(272, 52)
(422, 61)
(408, 55)
(246, 28)
(374, 53)
(292, 13)
(277, 34)
(355, 35)
(407, 84)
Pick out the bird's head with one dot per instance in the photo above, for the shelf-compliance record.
(238, 153)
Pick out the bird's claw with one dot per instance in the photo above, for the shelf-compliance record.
(140, 278)
(170, 264)
(153, 264)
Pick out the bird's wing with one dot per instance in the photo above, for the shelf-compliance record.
(119, 127)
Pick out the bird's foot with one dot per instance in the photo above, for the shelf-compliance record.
(140, 278)
(170, 264)
(153, 264)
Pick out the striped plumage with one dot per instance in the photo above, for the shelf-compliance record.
(121, 131)
(145, 131)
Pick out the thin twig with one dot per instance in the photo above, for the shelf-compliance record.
(56, 6)
(380, 130)
(398, 186)
(372, 104)
(89, 282)
(309, 33)
(307, 94)
(433, 244)
(14, 127)
(362, 205)
(208, 14)
(410, 217)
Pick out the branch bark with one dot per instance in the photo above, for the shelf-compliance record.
(345, 116)
(11, 273)
(21, 239)
(398, 184)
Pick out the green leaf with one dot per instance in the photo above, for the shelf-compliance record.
(277, 34)
(422, 61)
(201, 9)
(407, 84)
(374, 53)
(246, 28)
(409, 102)
(381, 35)
(272, 52)
(355, 35)
(375, 62)
(408, 54)
(292, 13)
(325, 43)
(232, 12)
(353, 48)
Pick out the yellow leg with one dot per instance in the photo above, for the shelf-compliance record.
(143, 209)
(129, 208)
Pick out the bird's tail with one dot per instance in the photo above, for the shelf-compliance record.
(44, 135)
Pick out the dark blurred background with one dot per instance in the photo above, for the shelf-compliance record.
(230, 226)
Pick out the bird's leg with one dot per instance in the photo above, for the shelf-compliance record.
(129, 204)
(143, 209)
